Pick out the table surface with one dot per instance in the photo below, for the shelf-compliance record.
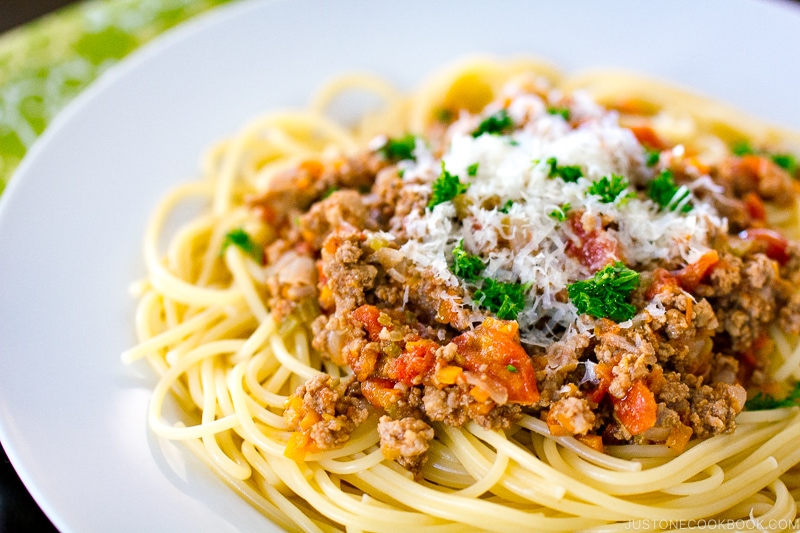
(30, 56)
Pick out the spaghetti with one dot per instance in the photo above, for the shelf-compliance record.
(311, 388)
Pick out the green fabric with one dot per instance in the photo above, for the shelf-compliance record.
(46, 63)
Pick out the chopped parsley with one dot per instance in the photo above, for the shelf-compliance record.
(665, 192)
(761, 401)
(506, 207)
(511, 368)
(445, 188)
(610, 190)
(242, 240)
(561, 111)
(606, 294)
(651, 157)
(787, 162)
(399, 149)
(472, 170)
(332, 189)
(494, 124)
(504, 299)
(560, 213)
(568, 173)
(466, 265)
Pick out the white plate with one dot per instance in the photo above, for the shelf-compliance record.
(72, 417)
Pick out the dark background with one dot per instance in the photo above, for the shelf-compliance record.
(18, 512)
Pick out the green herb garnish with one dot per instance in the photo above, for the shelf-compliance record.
(472, 170)
(511, 368)
(568, 173)
(332, 189)
(605, 295)
(560, 213)
(445, 188)
(505, 300)
(399, 149)
(562, 111)
(787, 162)
(239, 238)
(506, 207)
(466, 265)
(610, 190)
(761, 401)
(651, 157)
(494, 124)
(665, 192)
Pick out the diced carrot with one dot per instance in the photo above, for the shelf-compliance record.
(447, 375)
(648, 137)
(604, 376)
(594, 442)
(479, 394)
(637, 410)
(678, 437)
(296, 447)
(309, 420)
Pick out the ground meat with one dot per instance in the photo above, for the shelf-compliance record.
(715, 408)
(560, 359)
(448, 405)
(340, 208)
(573, 414)
(405, 441)
(336, 406)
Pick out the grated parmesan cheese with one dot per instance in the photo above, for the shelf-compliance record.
(526, 244)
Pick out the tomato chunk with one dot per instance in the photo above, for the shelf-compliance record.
(493, 349)
(594, 249)
(691, 275)
(368, 316)
(380, 392)
(413, 365)
(637, 410)
(774, 243)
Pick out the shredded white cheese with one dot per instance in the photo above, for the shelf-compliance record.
(527, 244)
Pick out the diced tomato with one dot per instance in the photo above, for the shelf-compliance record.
(380, 392)
(662, 280)
(775, 244)
(755, 206)
(493, 349)
(637, 410)
(647, 136)
(415, 362)
(691, 275)
(604, 376)
(594, 249)
(368, 316)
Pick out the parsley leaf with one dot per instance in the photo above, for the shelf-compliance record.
(665, 192)
(445, 188)
(466, 265)
(399, 149)
(472, 170)
(610, 190)
(562, 111)
(332, 189)
(560, 213)
(494, 124)
(505, 300)
(511, 368)
(651, 157)
(605, 295)
(762, 401)
(568, 173)
(787, 162)
(240, 238)
(506, 207)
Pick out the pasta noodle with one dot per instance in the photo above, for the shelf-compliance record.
(211, 337)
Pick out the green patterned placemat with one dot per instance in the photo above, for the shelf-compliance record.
(46, 63)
